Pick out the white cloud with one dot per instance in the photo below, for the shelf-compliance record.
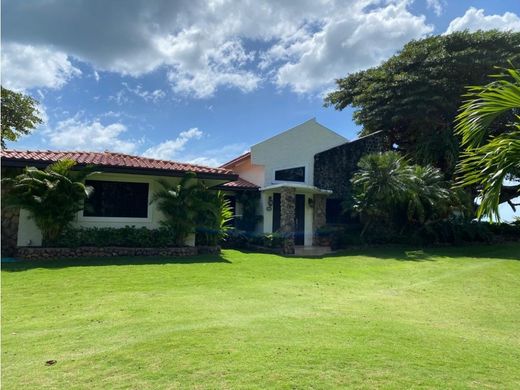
(474, 19)
(350, 42)
(26, 66)
(216, 157)
(75, 134)
(169, 149)
(148, 96)
(204, 46)
(96, 76)
(436, 5)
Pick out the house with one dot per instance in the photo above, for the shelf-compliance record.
(122, 190)
(282, 168)
(300, 175)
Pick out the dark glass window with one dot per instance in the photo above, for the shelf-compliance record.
(291, 174)
(117, 199)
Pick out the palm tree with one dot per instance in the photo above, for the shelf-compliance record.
(52, 196)
(378, 186)
(190, 206)
(489, 125)
(388, 190)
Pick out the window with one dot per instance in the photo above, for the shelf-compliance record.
(117, 199)
(291, 174)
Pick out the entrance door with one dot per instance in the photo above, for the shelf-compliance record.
(276, 212)
(299, 220)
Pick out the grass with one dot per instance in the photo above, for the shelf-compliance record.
(378, 318)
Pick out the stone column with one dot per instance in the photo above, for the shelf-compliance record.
(287, 213)
(319, 216)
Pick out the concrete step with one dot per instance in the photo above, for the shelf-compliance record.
(311, 251)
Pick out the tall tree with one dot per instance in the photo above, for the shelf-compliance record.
(492, 153)
(415, 95)
(19, 115)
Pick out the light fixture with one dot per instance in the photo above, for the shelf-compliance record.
(310, 202)
(269, 203)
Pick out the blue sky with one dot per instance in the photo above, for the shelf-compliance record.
(202, 81)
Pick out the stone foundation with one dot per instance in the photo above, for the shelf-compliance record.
(39, 253)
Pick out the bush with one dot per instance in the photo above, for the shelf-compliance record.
(128, 236)
(239, 239)
(442, 232)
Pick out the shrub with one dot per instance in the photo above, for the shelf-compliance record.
(52, 196)
(128, 236)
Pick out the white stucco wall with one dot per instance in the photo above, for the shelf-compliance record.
(30, 235)
(295, 147)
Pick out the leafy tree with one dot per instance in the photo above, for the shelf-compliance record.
(415, 95)
(490, 155)
(388, 190)
(189, 206)
(19, 115)
(52, 196)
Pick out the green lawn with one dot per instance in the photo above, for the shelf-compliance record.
(377, 318)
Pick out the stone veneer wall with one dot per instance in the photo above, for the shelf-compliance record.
(10, 217)
(319, 215)
(40, 253)
(287, 213)
(333, 168)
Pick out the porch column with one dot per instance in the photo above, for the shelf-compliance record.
(319, 216)
(287, 211)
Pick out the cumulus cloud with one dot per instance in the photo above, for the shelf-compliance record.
(169, 149)
(204, 46)
(75, 134)
(27, 66)
(474, 19)
(348, 43)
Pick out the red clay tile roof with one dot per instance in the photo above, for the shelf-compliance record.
(236, 160)
(109, 159)
(240, 184)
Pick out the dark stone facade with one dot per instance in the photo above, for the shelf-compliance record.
(333, 168)
(319, 216)
(39, 253)
(287, 213)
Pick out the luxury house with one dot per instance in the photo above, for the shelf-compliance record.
(301, 175)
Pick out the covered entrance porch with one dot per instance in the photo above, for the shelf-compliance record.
(295, 211)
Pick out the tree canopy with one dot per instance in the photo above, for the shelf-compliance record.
(415, 95)
(19, 115)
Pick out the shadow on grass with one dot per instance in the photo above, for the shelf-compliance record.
(25, 265)
(506, 251)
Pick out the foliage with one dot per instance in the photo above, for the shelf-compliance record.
(414, 96)
(250, 218)
(452, 231)
(212, 224)
(19, 115)
(190, 206)
(128, 236)
(491, 156)
(52, 196)
(240, 239)
(389, 191)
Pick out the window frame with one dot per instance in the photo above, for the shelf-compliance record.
(305, 173)
(148, 218)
